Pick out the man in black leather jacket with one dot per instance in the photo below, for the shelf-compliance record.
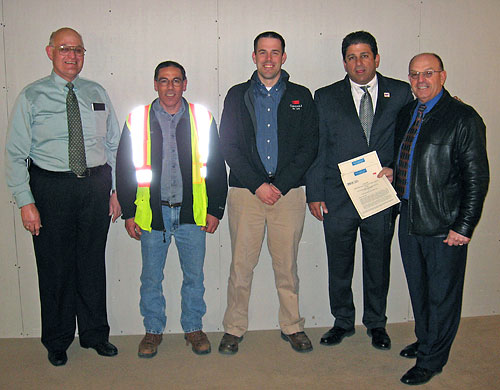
(441, 175)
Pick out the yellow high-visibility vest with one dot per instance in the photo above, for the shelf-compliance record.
(139, 125)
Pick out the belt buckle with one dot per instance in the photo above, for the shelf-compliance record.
(86, 173)
(170, 205)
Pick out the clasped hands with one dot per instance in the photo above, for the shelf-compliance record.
(268, 193)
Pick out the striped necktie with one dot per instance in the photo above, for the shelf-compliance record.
(76, 146)
(404, 154)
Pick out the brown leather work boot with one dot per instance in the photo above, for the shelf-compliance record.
(299, 341)
(149, 345)
(229, 344)
(199, 342)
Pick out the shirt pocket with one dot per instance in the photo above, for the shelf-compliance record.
(100, 120)
(94, 123)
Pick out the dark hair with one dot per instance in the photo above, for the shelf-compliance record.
(166, 64)
(431, 54)
(269, 34)
(357, 37)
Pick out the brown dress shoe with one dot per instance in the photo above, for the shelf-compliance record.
(229, 344)
(299, 341)
(199, 342)
(149, 345)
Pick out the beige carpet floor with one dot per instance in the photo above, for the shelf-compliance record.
(263, 362)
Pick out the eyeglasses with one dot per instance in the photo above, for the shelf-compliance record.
(78, 50)
(427, 74)
(176, 82)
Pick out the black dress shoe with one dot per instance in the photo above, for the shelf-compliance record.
(104, 349)
(410, 351)
(418, 376)
(58, 358)
(335, 335)
(380, 338)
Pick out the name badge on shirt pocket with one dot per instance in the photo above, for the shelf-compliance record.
(98, 106)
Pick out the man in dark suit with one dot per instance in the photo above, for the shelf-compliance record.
(357, 116)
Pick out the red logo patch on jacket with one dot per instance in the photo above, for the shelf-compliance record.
(295, 105)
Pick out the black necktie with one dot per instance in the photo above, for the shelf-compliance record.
(404, 154)
(76, 146)
(366, 112)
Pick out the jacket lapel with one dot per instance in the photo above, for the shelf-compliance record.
(347, 105)
(382, 97)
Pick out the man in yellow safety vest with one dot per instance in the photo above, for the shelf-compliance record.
(171, 181)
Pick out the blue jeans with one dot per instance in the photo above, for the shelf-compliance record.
(190, 242)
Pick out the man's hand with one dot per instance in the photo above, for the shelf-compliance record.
(115, 209)
(31, 219)
(388, 172)
(212, 224)
(455, 239)
(268, 193)
(133, 229)
(318, 209)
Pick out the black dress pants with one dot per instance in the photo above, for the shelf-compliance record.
(376, 236)
(435, 274)
(70, 251)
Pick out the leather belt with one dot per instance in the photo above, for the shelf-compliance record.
(171, 205)
(88, 172)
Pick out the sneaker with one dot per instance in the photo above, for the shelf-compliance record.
(229, 344)
(149, 345)
(199, 342)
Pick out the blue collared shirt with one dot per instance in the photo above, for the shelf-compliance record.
(428, 106)
(38, 129)
(266, 113)
(171, 178)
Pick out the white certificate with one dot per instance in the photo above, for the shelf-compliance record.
(368, 193)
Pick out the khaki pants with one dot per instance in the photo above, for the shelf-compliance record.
(248, 218)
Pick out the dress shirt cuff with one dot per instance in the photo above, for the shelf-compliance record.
(24, 198)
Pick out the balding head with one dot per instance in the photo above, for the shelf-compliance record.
(426, 75)
(440, 61)
(66, 63)
(63, 30)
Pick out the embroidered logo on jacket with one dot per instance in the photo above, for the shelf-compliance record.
(295, 105)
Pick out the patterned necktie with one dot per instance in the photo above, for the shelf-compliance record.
(404, 154)
(366, 113)
(76, 146)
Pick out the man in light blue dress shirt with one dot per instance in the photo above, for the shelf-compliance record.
(67, 214)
